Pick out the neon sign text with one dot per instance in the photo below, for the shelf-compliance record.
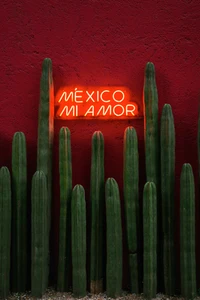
(101, 102)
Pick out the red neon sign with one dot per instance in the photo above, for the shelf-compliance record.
(98, 102)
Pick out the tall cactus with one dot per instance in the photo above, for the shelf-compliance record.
(187, 233)
(19, 217)
(65, 168)
(40, 238)
(151, 124)
(114, 239)
(150, 240)
(5, 229)
(78, 216)
(46, 128)
(131, 201)
(167, 193)
(198, 143)
(152, 152)
(97, 204)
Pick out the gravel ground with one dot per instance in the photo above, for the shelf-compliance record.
(52, 294)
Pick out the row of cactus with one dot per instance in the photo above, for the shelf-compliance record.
(158, 200)
(165, 190)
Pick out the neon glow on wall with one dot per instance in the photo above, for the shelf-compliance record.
(95, 102)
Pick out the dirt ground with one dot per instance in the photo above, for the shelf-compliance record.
(53, 295)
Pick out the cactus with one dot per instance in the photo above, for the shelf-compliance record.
(19, 218)
(78, 216)
(97, 205)
(45, 128)
(151, 125)
(152, 154)
(198, 140)
(187, 233)
(65, 167)
(167, 193)
(114, 239)
(131, 201)
(150, 240)
(5, 229)
(40, 239)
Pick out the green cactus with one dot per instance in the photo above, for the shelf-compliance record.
(97, 204)
(46, 128)
(151, 124)
(40, 237)
(65, 168)
(167, 193)
(19, 218)
(78, 217)
(198, 140)
(152, 153)
(5, 229)
(131, 201)
(114, 239)
(187, 233)
(150, 240)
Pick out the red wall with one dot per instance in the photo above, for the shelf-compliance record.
(95, 42)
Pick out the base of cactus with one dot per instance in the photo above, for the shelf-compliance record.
(96, 286)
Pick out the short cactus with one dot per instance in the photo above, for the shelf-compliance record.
(114, 239)
(5, 229)
(187, 233)
(19, 219)
(78, 217)
(150, 240)
(40, 236)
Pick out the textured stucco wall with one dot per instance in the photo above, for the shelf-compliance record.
(98, 42)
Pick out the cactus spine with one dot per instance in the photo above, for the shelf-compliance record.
(40, 239)
(187, 233)
(19, 219)
(167, 193)
(5, 229)
(97, 205)
(65, 168)
(78, 216)
(46, 127)
(114, 239)
(150, 240)
(131, 200)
